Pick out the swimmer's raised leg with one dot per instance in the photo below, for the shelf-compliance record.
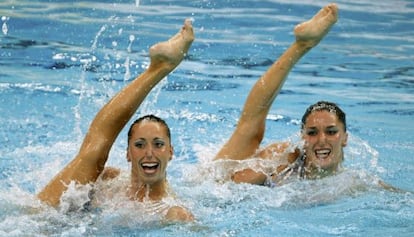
(246, 139)
(93, 154)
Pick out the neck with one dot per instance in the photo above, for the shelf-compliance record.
(148, 192)
(312, 172)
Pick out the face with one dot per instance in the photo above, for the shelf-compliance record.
(325, 138)
(149, 151)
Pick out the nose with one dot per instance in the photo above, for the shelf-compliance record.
(148, 151)
(321, 138)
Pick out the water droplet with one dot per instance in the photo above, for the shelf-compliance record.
(4, 28)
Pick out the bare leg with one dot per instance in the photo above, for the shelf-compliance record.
(249, 132)
(110, 120)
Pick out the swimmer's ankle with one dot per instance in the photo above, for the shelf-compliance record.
(306, 44)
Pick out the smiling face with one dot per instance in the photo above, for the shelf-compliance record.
(325, 136)
(149, 151)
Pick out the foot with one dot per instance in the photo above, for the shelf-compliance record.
(312, 31)
(170, 53)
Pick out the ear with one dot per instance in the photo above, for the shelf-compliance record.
(128, 156)
(171, 152)
(345, 141)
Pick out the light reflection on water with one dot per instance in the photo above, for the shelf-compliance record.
(61, 61)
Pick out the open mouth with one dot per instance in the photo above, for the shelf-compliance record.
(322, 153)
(150, 167)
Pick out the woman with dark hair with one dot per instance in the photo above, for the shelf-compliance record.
(323, 129)
(323, 125)
(149, 143)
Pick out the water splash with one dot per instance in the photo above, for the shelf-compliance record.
(77, 108)
(362, 156)
(95, 41)
(4, 27)
(131, 40)
(127, 74)
(148, 104)
(75, 197)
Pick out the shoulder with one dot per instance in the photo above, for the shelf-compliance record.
(278, 146)
(180, 214)
(280, 150)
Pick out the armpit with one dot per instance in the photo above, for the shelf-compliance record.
(109, 173)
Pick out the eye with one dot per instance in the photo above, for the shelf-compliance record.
(311, 132)
(159, 143)
(332, 131)
(139, 144)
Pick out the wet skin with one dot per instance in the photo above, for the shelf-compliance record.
(149, 151)
(324, 137)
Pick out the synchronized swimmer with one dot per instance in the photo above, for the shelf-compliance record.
(149, 141)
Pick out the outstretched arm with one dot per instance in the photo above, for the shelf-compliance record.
(93, 154)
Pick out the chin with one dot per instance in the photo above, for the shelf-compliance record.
(324, 167)
(329, 168)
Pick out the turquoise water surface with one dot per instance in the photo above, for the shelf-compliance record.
(60, 61)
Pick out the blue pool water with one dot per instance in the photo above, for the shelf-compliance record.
(60, 61)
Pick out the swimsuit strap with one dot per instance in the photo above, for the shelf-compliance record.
(301, 165)
(298, 166)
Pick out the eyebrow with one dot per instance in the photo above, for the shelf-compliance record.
(155, 138)
(315, 127)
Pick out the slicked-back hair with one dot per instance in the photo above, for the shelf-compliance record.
(152, 118)
(327, 106)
